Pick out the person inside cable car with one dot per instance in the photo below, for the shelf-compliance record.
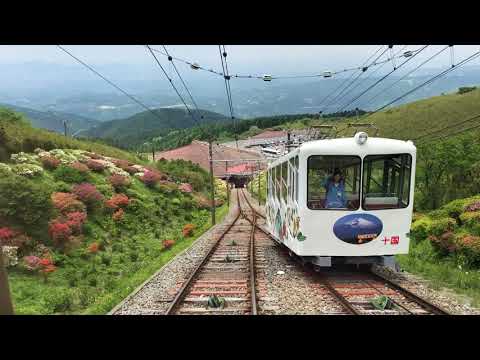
(335, 187)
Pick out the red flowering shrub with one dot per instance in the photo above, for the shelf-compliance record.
(6, 234)
(46, 268)
(150, 178)
(79, 167)
(118, 181)
(88, 193)
(75, 220)
(59, 232)
(186, 188)
(50, 162)
(118, 215)
(67, 202)
(188, 230)
(93, 248)
(116, 201)
(167, 244)
(95, 165)
(445, 242)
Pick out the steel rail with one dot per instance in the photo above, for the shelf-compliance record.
(183, 290)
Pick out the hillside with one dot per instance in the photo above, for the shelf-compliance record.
(16, 135)
(140, 127)
(53, 120)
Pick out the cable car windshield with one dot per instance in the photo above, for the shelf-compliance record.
(386, 181)
(334, 182)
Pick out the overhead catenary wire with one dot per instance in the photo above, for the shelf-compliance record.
(344, 92)
(382, 78)
(226, 76)
(110, 82)
(173, 85)
(369, 101)
(432, 79)
(460, 131)
(170, 58)
(425, 137)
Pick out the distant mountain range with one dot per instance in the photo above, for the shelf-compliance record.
(146, 125)
(54, 120)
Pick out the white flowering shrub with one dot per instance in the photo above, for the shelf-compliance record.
(28, 170)
(23, 158)
(10, 255)
(64, 157)
(139, 174)
(117, 171)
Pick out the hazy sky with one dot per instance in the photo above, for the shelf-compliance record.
(253, 58)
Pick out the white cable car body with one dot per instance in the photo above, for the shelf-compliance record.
(267, 77)
(371, 221)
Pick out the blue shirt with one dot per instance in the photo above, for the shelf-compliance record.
(335, 194)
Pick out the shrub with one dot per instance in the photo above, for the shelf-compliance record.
(475, 206)
(119, 182)
(131, 170)
(150, 178)
(167, 244)
(82, 168)
(117, 201)
(10, 254)
(93, 248)
(469, 247)
(95, 165)
(118, 215)
(187, 230)
(27, 170)
(24, 202)
(186, 188)
(67, 202)
(50, 162)
(440, 226)
(9, 237)
(59, 232)
(75, 221)
(94, 156)
(69, 174)
(454, 209)
(57, 301)
(47, 268)
(88, 193)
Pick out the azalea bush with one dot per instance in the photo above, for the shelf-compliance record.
(188, 229)
(59, 232)
(88, 194)
(151, 178)
(10, 237)
(27, 170)
(50, 162)
(119, 182)
(168, 243)
(67, 202)
(95, 165)
(117, 201)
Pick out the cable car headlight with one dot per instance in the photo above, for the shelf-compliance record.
(361, 138)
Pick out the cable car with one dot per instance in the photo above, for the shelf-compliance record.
(195, 66)
(407, 53)
(267, 78)
(327, 74)
(344, 200)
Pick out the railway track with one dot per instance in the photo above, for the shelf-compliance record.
(226, 281)
(354, 290)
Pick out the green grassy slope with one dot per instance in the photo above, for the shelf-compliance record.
(16, 135)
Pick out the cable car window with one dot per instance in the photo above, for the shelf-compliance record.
(333, 182)
(277, 182)
(296, 178)
(386, 181)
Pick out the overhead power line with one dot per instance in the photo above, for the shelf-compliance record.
(382, 78)
(432, 79)
(369, 101)
(173, 85)
(109, 82)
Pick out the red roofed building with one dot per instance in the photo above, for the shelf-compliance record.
(197, 152)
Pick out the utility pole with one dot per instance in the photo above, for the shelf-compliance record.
(153, 152)
(6, 307)
(212, 183)
(65, 127)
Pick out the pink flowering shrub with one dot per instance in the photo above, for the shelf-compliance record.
(186, 188)
(50, 162)
(151, 178)
(88, 193)
(95, 165)
(118, 181)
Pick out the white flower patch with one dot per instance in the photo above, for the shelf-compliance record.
(38, 151)
(28, 170)
(118, 171)
(10, 255)
(64, 157)
(23, 158)
(139, 174)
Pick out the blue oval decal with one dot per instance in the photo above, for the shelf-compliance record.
(358, 228)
